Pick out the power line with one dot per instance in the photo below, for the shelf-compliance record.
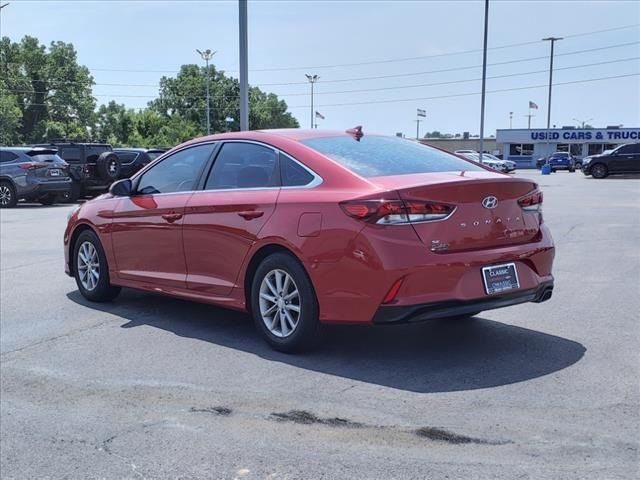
(530, 87)
(453, 69)
(391, 60)
(401, 87)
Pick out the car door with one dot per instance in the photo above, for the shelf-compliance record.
(223, 220)
(626, 159)
(147, 227)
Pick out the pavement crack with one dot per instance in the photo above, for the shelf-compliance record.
(308, 418)
(223, 411)
(442, 435)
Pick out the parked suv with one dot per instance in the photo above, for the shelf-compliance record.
(562, 161)
(35, 174)
(133, 159)
(624, 159)
(93, 166)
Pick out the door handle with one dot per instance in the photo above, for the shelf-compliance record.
(172, 217)
(251, 214)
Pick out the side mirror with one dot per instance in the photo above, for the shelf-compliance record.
(121, 188)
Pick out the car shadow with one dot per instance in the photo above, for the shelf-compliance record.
(436, 356)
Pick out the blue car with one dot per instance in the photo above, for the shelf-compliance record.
(562, 161)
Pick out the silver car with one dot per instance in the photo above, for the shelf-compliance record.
(32, 173)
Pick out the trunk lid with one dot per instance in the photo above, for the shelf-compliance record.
(471, 226)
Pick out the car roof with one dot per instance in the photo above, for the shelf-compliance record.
(30, 149)
(297, 134)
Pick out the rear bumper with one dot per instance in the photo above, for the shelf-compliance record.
(430, 311)
(43, 188)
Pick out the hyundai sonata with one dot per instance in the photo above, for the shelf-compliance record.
(306, 227)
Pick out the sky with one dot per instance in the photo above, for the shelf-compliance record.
(347, 43)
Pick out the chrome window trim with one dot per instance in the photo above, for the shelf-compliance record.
(317, 179)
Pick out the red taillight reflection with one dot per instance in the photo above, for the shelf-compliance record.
(393, 291)
(396, 211)
(532, 202)
(32, 165)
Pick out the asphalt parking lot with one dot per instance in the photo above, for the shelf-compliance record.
(152, 387)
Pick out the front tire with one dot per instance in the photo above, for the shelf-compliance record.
(284, 304)
(599, 171)
(8, 198)
(91, 270)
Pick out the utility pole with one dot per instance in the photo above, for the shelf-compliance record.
(312, 79)
(244, 65)
(420, 112)
(206, 56)
(553, 40)
(510, 120)
(484, 76)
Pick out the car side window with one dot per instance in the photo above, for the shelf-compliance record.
(6, 157)
(243, 165)
(127, 157)
(70, 154)
(176, 173)
(293, 174)
(631, 149)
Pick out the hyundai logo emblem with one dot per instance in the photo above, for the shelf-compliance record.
(490, 202)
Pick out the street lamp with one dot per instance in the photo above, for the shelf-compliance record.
(312, 79)
(510, 120)
(553, 40)
(206, 56)
(583, 122)
(1, 7)
(484, 76)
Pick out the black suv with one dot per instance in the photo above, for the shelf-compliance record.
(133, 159)
(624, 159)
(92, 166)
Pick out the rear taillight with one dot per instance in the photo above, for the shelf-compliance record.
(393, 212)
(532, 202)
(32, 165)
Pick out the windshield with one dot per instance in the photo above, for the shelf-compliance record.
(375, 156)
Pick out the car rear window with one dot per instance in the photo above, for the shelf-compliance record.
(374, 156)
(45, 157)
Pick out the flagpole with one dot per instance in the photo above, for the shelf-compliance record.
(529, 124)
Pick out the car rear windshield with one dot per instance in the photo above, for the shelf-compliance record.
(375, 156)
(45, 157)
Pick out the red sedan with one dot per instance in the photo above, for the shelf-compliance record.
(305, 227)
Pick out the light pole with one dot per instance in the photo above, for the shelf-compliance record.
(484, 76)
(312, 79)
(244, 64)
(553, 40)
(583, 122)
(510, 120)
(1, 7)
(206, 56)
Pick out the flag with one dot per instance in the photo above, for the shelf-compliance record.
(532, 105)
(319, 115)
(422, 113)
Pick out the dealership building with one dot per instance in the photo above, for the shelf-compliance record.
(524, 146)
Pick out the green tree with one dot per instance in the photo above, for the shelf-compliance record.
(115, 123)
(186, 96)
(51, 90)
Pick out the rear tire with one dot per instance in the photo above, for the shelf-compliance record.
(91, 270)
(599, 170)
(284, 305)
(8, 198)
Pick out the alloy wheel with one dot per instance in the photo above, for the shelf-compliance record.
(88, 266)
(113, 167)
(279, 303)
(6, 196)
(598, 171)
